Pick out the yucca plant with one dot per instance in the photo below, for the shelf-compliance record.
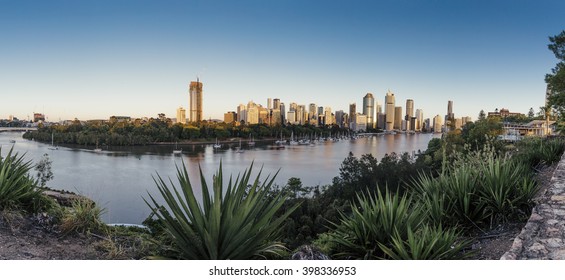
(452, 198)
(428, 243)
(17, 188)
(552, 150)
(433, 197)
(536, 151)
(505, 186)
(373, 221)
(237, 222)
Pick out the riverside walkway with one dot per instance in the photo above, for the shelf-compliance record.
(543, 236)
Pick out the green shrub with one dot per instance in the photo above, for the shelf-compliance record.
(17, 189)
(506, 188)
(233, 223)
(373, 221)
(83, 216)
(452, 198)
(428, 243)
(534, 151)
(482, 188)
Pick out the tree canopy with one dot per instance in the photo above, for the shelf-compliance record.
(556, 79)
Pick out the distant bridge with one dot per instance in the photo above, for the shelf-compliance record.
(16, 129)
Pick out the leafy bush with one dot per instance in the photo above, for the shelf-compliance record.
(17, 188)
(233, 223)
(373, 221)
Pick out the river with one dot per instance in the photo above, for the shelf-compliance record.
(119, 178)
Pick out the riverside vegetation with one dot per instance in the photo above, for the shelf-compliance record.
(162, 129)
(395, 208)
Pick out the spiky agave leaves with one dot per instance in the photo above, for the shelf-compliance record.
(428, 243)
(234, 223)
(373, 221)
(17, 189)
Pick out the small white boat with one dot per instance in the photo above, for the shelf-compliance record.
(217, 145)
(177, 151)
(53, 147)
(97, 149)
(239, 149)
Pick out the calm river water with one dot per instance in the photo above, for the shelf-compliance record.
(119, 178)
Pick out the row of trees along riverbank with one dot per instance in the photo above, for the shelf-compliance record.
(122, 133)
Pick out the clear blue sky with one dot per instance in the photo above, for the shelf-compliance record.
(94, 59)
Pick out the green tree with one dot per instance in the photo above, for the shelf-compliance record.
(556, 79)
(482, 115)
(531, 113)
(43, 169)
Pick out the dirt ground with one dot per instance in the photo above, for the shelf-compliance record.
(23, 238)
(31, 238)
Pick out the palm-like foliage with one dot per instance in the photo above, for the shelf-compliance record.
(452, 198)
(17, 189)
(536, 151)
(428, 243)
(506, 187)
(233, 223)
(373, 221)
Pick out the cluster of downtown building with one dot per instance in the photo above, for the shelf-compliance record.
(373, 115)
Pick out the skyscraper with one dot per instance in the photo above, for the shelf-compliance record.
(369, 109)
(352, 113)
(312, 113)
(398, 117)
(389, 111)
(252, 113)
(438, 122)
(450, 115)
(269, 103)
(195, 96)
(409, 113)
(328, 116)
(419, 119)
(242, 113)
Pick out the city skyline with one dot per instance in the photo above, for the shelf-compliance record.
(94, 59)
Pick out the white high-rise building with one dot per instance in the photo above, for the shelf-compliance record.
(242, 113)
